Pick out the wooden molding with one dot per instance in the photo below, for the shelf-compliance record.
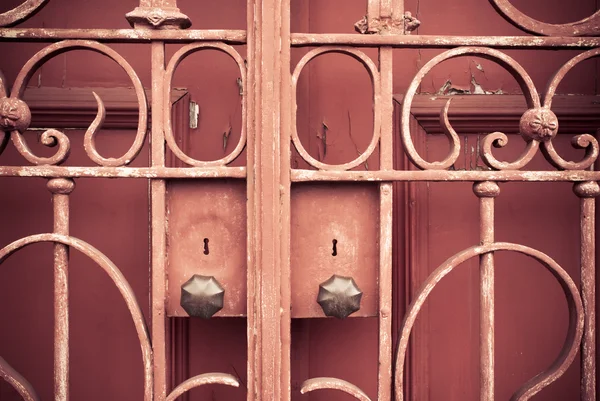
(476, 114)
(178, 356)
(77, 108)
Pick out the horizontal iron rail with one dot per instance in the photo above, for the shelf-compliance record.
(122, 35)
(123, 172)
(445, 175)
(299, 39)
(440, 41)
(299, 175)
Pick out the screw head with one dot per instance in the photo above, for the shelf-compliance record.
(202, 296)
(339, 296)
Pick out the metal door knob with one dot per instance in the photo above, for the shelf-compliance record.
(202, 296)
(339, 296)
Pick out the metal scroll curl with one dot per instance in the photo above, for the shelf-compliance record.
(576, 316)
(585, 141)
(200, 380)
(53, 137)
(21, 13)
(4, 136)
(330, 383)
(18, 382)
(586, 27)
(496, 139)
(170, 71)
(374, 75)
(120, 282)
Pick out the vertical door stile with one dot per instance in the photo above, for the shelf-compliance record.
(385, 226)
(268, 201)
(284, 234)
(251, 276)
(158, 226)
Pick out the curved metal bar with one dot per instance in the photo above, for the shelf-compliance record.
(451, 135)
(4, 137)
(322, 383)
(499, 140)
(170, 71)
(589, 26)
(89, 139)
(575, 331)
(18, 382)
(564, 70)
(201, 380)
(116, 276)
(373, 73)
(3, 90)
(3, 93)
(49, 138)
(21, 13)
(587, 142)
(515, 69)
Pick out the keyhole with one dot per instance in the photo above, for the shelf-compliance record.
(206, 251)
(334, 253)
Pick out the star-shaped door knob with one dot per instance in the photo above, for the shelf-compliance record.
(339, 296)
(202, 296)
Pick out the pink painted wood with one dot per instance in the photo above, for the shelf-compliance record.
(296, 154)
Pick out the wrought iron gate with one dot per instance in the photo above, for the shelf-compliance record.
(268, 131)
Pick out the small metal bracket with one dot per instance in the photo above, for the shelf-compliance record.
(194, 113)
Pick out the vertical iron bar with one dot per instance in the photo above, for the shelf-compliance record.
(252, 299)
(60, 189)
(486, 191)
(398, 10)
(385, 9)
(158, 226)
(268, 323)
(285, 201)
(587, 192)
(373, 7)
(385, 226)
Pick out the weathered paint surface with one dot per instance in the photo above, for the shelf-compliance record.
(286, 221)
(206, 235)
(345, 243)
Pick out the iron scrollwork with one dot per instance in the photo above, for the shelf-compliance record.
(586, 27)
(538, 125)
(15, 115)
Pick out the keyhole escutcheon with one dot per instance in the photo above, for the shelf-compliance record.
(206, 251)
(334, 250)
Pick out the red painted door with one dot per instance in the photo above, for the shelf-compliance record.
(272, 200)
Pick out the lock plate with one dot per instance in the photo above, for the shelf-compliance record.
(325, 214)
(206, 235)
